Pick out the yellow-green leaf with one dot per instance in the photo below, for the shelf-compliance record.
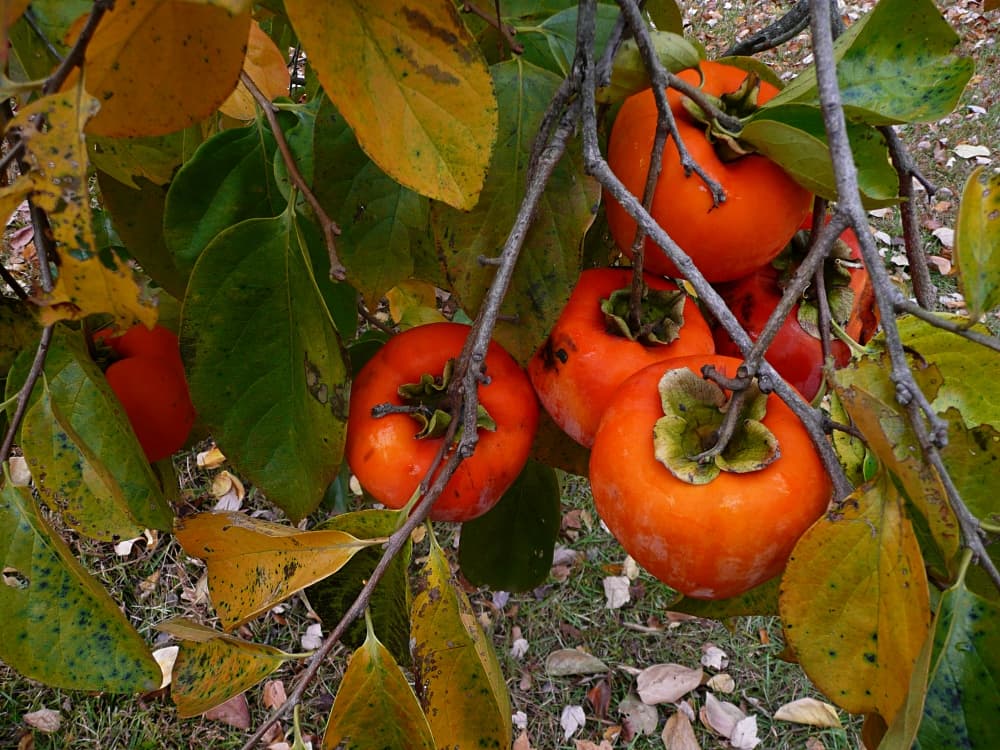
(420, 101)
(254, 564)
(413, 303)
(458, 678)
(160, 65)
(375, 708)
(59, 625)
(212, 667)
(977, 242)
(855, 603)
(58, 183)
(267, 68)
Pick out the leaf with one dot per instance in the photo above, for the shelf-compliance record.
(263, 360)
(678, 734)
(550, 260)
(422, 105)
(854, 602)
(510, 547)
(88, 464)
(571, 719)
(389, 606)
(809, 711)
(161, 65)
(552, 43)
(666, 15)
(235, 712)
(384, 226)
(629, 74)
(254, 564)
(59, 626)
(760, 600)
(18, 330)
(458, 678)
(977, 242)
(57, 182)
(553, 449)
(572, 661)
(667, 683)
(267, 67)
(155, 158)
(896, 64)
(229, 179)
(375, 706)
(721, 717)
(972, 458)
(212, 667)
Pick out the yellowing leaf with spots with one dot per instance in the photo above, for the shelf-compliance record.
(57, 182)
(267, 68)
(158, 66)
(412, 83)
(59, 626)
(212, 667)
(375, 706)
(458, 678)
(254, 564)
(854, 602)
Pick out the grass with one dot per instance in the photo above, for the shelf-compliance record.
(160, 582)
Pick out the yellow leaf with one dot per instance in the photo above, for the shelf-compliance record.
(211, 667)
(57, 182)
(412, 82)
(855, 602)
(460, 684)
(413, 303)
(809, 711)
(158, 66)
(375, 706)
(267, 68)
(254, 564)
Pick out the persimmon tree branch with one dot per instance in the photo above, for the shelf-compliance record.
(596, 165)
(330, 228)
(494, 20)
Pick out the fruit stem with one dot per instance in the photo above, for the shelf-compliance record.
(856, 349)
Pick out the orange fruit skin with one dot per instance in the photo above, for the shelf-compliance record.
(763, 208)
(577, 370)
(710, 541)
(156, 400)
(387, 458)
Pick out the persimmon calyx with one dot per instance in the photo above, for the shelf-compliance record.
(693, 412)
(428, 402)
(739, 104)
(660, 321)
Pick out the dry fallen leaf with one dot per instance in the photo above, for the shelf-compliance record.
(166, 657)
(970, 151)
(616, 593)
(588, 745)
(714, 657)
(719, 716)
(630, 568)
(235, 712)
(571, 720)
(44, 720)
(814, 743)
(313, 637)
(678, 734)
(521, 743)
(744, 736)
(945, 235)
(639, 717)
(599, 698)
(274, 694)
(572, 661)
(809, 711)
(667, 683)
(213, 458)
(228, 492)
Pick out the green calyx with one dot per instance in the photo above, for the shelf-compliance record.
(836, 280)
(427, 401)
(661, 316)
(739, 104)
(693, 412)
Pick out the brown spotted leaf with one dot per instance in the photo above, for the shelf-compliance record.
(254, 564)
(422, 104)
(212, 667)
(855, 602)
(59, 626)
(460, 685)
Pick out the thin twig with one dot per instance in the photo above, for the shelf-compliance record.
(79, 50)
(15, 287)
(952, 326)
(34, 374)
(493, 20)
(29, 18)
(371, 319)
(329, 226)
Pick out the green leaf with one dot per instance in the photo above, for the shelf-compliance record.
(963, 689)
(389, 606)
(666, 15)
(760, 600)
(977, 242)
(421, 105)
(153, 158)
(384, 226)
(84, 455)
(137, 215)
(972, 457)
(552, 43)
(895, 65)
(18, 330)
(550, 260)
(629, 74)
(264, 363)
(229, 179)
(299, 127)
(794, 137)
(967, 368)
(855, 603)
(59, 626)
(375, 708)
(212, 667)
(458, 678)
(510, 547)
